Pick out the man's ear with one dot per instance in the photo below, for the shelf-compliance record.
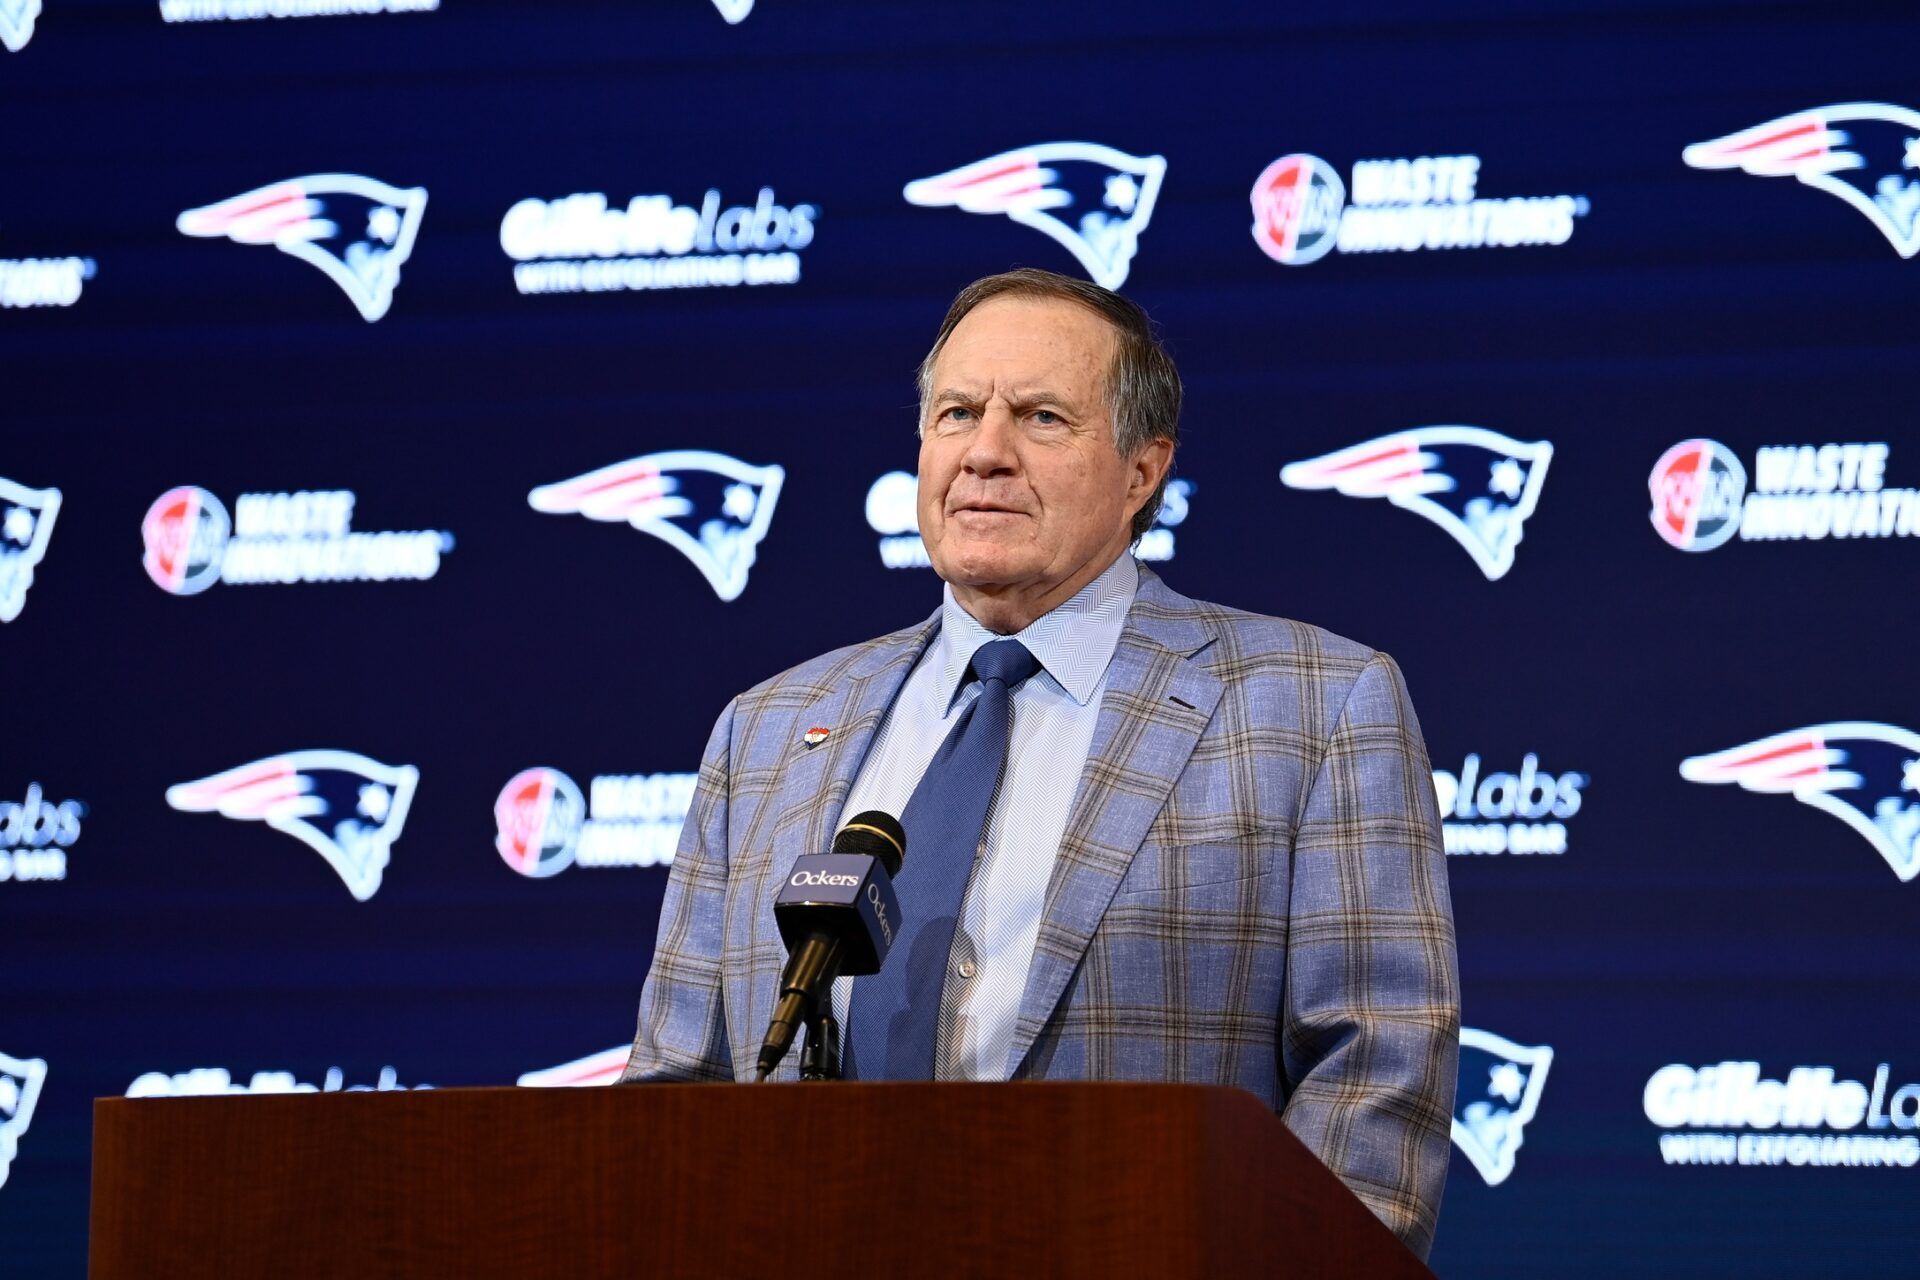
(1148, 468)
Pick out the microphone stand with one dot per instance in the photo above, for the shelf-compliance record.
(820, 1057)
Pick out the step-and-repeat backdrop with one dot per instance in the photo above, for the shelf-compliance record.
(419, 417)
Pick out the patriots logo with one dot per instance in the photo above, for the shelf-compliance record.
(20, 1080)
(1863, 773)
(16, 28)
(594, 1069)
(356, 230)
(26, 524)
(1094, 201)
(343, 806)
(733, 10)
(1864, 152)
(1499, 1090)
(1478, 485)
(712, 508)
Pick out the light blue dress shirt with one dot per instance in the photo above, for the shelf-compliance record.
(1054, 714)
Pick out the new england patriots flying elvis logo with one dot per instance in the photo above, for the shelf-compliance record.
(1867, 153)
(26, 524)
(1478, 485)
(600, 1068)
(355, 229)
(1092, 200)
(713, 509)
(20, 1081)
(1864, 773)
(343, 806)
(1498, 1093)
(16, 28)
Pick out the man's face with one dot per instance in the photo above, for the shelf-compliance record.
(1022, 494)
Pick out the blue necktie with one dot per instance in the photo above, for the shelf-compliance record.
(894, 1015)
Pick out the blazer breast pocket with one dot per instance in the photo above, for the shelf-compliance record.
(1197, 874)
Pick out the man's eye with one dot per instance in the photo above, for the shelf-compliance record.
(1046, 417)
(957, 413)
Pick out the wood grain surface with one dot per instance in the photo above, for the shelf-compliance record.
(721, 1181)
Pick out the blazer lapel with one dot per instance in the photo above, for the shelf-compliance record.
(816, 780)
(814, 784)
(1157, 704)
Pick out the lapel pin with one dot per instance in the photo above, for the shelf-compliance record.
(816, 735)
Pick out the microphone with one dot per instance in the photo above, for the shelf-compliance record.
(837, 914)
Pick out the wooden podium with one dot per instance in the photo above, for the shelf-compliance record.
(720, 1181)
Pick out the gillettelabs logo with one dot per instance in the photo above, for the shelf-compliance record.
(711, 508)
(43, 282)
(20, 1081)
(204, 1082)
(35, 836)
(1864, 773)
(1478, 485)
(1301, 211)
(1502, 813)
(343, 806)
(543, 824)
(580, 245)
(1497, 1096)
(1091, 200)
(1800, 492)
(357, 230)
(893, 513)
(254, 10)
(284, 538)
(1827, 1111)
(1862, 152)
(16, 28)
(26, 526)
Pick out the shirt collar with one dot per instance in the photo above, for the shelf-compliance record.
(1074, 642)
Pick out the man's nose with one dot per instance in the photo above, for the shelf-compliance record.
(990, 447)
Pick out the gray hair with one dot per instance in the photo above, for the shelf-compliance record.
(1143, 387)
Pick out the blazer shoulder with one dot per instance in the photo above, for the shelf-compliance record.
(1251, 633)
(807, 682)
(1237, 644)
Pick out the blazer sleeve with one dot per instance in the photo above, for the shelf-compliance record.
(1370, 1031)
(683, 1034)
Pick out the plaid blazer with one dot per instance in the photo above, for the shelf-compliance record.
(1251, 890)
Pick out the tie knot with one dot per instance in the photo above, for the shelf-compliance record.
(1007, 661)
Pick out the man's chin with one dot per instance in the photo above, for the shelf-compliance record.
(981, 568)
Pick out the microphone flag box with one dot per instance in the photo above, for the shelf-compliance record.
(828, 891)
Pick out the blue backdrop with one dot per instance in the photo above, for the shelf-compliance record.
(1561, 319)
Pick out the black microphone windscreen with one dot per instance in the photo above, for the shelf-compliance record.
(877, 835)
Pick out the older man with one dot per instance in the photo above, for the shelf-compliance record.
(1149, 838)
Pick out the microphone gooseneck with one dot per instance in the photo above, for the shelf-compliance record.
(838, 914)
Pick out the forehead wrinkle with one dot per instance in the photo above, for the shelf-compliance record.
(1018, 395)
(1041, 394)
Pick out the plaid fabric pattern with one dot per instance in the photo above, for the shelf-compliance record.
(1251, 890)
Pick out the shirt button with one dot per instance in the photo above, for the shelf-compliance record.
(967, 969)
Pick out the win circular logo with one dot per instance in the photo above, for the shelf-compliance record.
(1297, 202)
(1697, 487)
(185, 531)
(538, 818)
